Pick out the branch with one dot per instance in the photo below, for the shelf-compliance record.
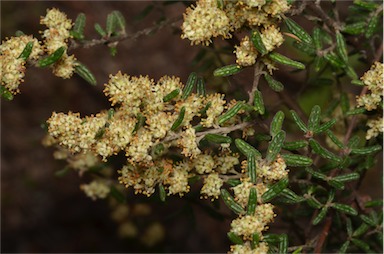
(323, 235)
(135, 36)
(258, 70)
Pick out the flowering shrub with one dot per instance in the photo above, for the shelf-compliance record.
(261, 160)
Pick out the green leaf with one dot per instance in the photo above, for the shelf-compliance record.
(227, 70)
(334, 139)
(325, 126)
(334, 60)
(120, 20)
(314, 118)
(258, 102)
(275, 146)
(233, 182)
(85, 73)
(255, 240)
(360, 230)
(230, 202)
(313, 202)
(344, 209)
(26, 51)
(285, 60)
(290, 196)
(362, 245)
(252, 201)
(373, 203)
(372, 25)
(283, 244)
(171, 95)
(295, 160)
(366, 150)
(78, 27)
(273, 84)
(355, 111)
(275, 190)
(258, 42)
(355, 28)
(295, 145)
(219, 139)
(111, 24)
(52, 58)
(336, 184)
(347, 177)
(318, 42)
(344, 101)
(297, 30)
(100, 30)
(251, 168)
(318, 149)
(277, 123)
(341, 47)
(230, 113)
(349, 226)
(344, 247)
(316, 174)
(235, 238)
(62, 172)
(369, 221)
(200, 86)
(179, 119)
(5, 93)
(140, 122)
(367, 5)
(246, 148)
(162, 193)
(320, 216)
(191, 82)
(298, 121)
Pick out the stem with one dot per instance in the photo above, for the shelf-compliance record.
(258, 70)
(135, 36)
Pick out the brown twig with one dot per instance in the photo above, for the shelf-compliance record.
(323, 235)
(114, 39)
(258, 70)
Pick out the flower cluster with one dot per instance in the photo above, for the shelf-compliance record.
(55, 36)
(211, 18)
(142, 126)
(373, 80)
(12, 66)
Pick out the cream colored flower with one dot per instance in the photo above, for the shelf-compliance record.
(95, 189)
(246, 53)
(212, 185)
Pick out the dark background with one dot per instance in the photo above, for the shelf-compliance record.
(44, 213)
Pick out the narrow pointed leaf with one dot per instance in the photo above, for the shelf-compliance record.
(179, 119)
(252, 201)
(347, 177)
(295, 145)
(171, 95)
(85, 73)
(191, 82)
(283, 244)
(334, 139)
(258, 102)
(318, 149)
(275, 146)
(372, 25)
(200, 87)
(320, 216)
(258, 42)
(277, 123)
(297, 30)
(162, 193)
(275, 85)
(344, 247)
(246, 148)
(26, 51)
(52, 58)
(324, 126)
(275, 190)
(251, 168)
(295, 160)
(344, 209)
(100, 30)
(366, 150)
(341, 47)
(298, 121)
(314, 118)
(230, 202)
(78, 27)
(285, 60)
(227, 70)
(218, 139)
(230, 113)
(120, 20)
(235, 238)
